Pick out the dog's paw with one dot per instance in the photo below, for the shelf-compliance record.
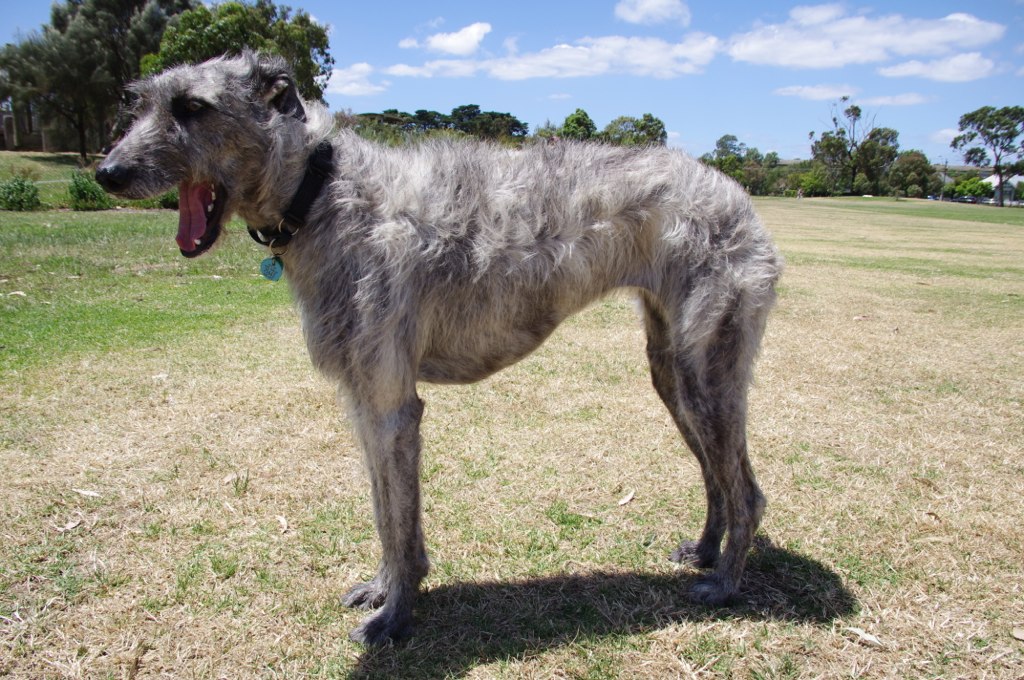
(711, 591)
(369, 595)
(693, 554)
(382, 628)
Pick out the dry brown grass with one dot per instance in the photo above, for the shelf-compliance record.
(225, 510)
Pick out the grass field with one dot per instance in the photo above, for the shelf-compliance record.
(51, 172)
(180, 495)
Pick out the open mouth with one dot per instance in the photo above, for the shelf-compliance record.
(200, 213)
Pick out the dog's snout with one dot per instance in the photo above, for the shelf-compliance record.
(115, 177)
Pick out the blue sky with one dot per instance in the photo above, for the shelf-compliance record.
(764, 71)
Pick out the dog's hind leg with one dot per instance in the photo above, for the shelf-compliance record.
(713, 376)
(391, 442)
(712, 367)
(704, 552)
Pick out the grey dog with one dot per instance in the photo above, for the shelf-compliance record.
(449, 260)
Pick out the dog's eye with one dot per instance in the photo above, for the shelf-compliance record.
(183, 108)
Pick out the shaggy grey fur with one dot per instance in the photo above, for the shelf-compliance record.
(447, 261)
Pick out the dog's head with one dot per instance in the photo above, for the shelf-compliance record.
(220, 131)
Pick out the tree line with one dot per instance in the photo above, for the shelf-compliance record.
(395, 127)
(74, 72)
(857, 157)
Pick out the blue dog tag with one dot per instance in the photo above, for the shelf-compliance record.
(272, 268)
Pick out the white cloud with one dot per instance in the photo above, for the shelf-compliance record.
(907, 99)
(834, 92)
(812, 15)
(650, 57)
(408, 43)
(956, 69)
(817, 92)
(944, 136)
(653, 11)
(611, 54)
(824, 36)
(441, 68)
(462, 42)
(354, 81)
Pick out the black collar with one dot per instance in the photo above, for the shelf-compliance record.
(318, 169)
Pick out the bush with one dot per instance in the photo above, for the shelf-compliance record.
(815, 182)
(18, 193)
(25, 170)
(169, 200)
(86, 194)
(973, 186)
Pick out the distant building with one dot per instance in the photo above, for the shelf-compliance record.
(1008, 188)
(21, 130)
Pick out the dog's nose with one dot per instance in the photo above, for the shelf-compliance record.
(115, 177)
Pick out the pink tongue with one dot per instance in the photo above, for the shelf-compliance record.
(192, 202)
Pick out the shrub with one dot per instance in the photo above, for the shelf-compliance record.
(25, 170)
(169, 200)
(18, 193)
(86, 194)
(973, 186)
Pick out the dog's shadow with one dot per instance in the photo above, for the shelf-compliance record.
(462, 625)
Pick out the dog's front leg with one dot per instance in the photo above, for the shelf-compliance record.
(391, 443)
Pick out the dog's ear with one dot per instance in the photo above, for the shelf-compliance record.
(282, 95)
(275, 85)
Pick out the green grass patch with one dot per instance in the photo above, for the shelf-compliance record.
(73, 284)
(938, 210)
(911, 266)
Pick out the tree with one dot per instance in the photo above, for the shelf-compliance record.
(578, 125)
(395, 127)
(875, 156)
(629, 131)
(912, 169)
(487, 124)
(854, 151)
(996, 132)
(729, 145)
(727, 157)
(127, 30)
(758, 173)
(62, 77)
(76, 68)
(431, 120)
(548, 131)
(973, 187)
(499, 126)
(832, 154)
(816, 182)
(836, 147)
(231, 27)
(464, 117)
